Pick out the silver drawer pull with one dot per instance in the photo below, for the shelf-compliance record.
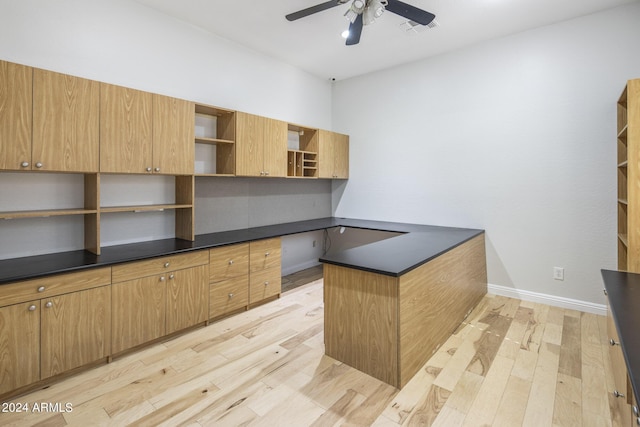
(162, 278)
(230, 295)
(24, 164)
(171, 277)
(230, 262)
(613, 342)
(616, 393)
(49, 304)
(267, 253)
(266, 283)
(39, 165)
(32, 308)
(166, 265)
(41, 289)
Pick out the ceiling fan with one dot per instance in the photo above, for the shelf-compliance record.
(364, 12)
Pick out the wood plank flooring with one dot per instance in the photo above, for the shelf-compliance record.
(511, 363)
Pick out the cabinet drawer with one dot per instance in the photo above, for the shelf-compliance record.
(228, 262)
(228, 295)
(265, 254)
(159, 265)
(264, 284)
(45, 287)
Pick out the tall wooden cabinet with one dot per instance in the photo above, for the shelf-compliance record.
(261, 146)
(629, 178)
(16, 90)
(333, 159)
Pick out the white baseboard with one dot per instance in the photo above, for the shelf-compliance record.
(295, 268)
(556, 301)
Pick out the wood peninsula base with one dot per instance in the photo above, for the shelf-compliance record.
(387, 326)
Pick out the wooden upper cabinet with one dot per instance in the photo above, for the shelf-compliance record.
(275, 148)
(16, 91)
(125, 130)
(173, 135)
(261, 146)
(333, 159)
(65, 123)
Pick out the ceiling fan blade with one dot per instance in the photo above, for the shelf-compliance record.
(355, 30)
(313, 9)
(412, 13)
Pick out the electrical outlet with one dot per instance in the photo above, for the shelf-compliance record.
(314, 243)
(558, 273)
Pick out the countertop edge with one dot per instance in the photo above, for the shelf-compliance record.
(79, 260)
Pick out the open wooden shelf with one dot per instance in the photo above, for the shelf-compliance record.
(45, 213)
(213, 141)
(142, 208)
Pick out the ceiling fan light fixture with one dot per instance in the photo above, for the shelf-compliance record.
(373, 11)
(345, 34)
(350, 15)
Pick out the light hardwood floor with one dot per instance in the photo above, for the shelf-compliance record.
(511, 363)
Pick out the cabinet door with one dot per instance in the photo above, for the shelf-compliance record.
(15, 116)
(621, 413)
(19, 345)
(228, 262)
(325, 154)
(65, 122)
(125, 130)
(138, 312)
(76, 330)
(249, 144)
(173, 136)
(228, 295)
(275, 148)
(264, 284)
(265, 254)
(341, 155)
(187, 298)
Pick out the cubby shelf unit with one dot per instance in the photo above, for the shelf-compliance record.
(302, 154)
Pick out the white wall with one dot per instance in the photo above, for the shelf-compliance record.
(125, 43)
(515, 136)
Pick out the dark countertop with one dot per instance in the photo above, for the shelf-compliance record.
(394, 256)
(623, 291)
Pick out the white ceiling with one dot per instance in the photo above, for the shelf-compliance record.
(314, 43)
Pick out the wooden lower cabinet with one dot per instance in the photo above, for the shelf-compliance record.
(264, 284)
(148, 308)
(620, 397)
(19, 345)
(138, 312)
(187, 298)
(265, 269)
(228, 296)
(75, 330)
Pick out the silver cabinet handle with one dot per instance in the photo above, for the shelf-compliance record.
(171, 277)
(149, 169)
(24, 164)
(157, 169)
(267, 253)
(230, 295)
(266, 173)
(634, 408)
(612, 342)
(162, 278)
(41, 289)
(166, 265)
(266, 283)
(616, 393)
(49, 304)
(32, 308)
(39, 165)
(230, 262)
